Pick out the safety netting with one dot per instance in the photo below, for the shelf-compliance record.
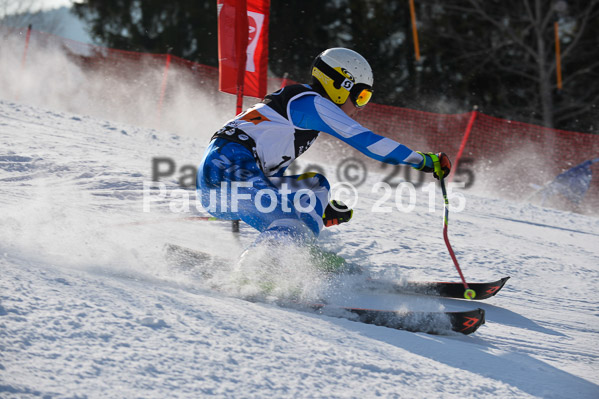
(518, 160)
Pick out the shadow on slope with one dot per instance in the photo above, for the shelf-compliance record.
(481, 357)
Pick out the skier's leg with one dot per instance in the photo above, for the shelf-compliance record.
(286, 210)
(228, 183)
(232, 186)
(309, 193)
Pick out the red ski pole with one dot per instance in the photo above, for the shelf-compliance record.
(468, 293)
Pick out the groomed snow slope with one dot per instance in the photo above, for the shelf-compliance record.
(88, 307)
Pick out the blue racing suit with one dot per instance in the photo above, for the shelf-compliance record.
(241, 174)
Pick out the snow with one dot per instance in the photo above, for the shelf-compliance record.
(89, 307)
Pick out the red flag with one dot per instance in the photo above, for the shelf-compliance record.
(243, 46)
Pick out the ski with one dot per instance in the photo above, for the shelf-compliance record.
(204, 264)
(465, 322)
(437, 288)
(198, 263)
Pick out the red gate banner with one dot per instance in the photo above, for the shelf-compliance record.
(243, 46)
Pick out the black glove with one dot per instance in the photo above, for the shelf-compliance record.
(438, 163)
(337, 212)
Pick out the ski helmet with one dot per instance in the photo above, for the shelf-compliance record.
(343, 73)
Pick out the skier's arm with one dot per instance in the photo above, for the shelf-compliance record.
(317, 113)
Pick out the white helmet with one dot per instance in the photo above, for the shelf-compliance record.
(343, 73)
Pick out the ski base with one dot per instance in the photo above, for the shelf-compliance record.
(465, 322)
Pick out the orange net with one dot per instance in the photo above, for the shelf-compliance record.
(517, 159)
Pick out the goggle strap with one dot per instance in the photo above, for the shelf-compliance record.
(338, 79)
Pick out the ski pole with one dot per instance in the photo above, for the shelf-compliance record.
(468, 293)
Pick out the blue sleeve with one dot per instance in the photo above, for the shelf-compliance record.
(317, 113)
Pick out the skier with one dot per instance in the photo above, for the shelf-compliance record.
(241, 174)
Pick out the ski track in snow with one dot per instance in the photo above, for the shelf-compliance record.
(88, 307)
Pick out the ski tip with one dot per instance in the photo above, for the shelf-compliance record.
(494, 290)
(487, 290)
(467, 322)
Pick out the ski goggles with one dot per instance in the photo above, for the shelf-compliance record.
(360, 95)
